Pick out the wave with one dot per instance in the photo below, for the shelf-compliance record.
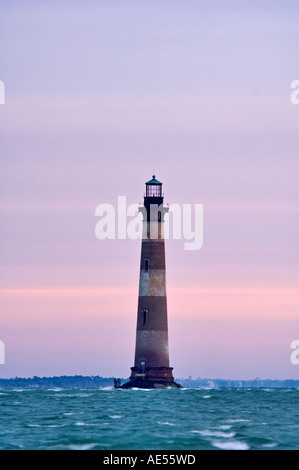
(238, 420)
(143, 389)
(82, 446)
(45, 425)
(166, 423)
(230, 445)
(209, 433)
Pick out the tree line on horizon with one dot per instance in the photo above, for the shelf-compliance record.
(80, 381)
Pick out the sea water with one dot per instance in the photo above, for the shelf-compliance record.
(171, 419)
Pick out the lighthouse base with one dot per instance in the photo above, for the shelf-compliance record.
(151, 377)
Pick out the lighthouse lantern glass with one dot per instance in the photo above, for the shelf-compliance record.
(154, 190)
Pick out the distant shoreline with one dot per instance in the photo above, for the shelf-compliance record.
(80, 381)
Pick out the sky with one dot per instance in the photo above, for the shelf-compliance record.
(99, 95)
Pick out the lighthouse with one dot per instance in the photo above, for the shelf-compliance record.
(151, 366)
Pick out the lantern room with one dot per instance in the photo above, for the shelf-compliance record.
(153, 188)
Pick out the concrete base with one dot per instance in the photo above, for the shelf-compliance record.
(153, 377)
(146, 384)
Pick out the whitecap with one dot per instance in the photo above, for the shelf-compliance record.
(54, 425)
(209, 433)
(205, 388)
(80, 423)
(115, 416)
(166, 423)
(230, 445)
(240, 420)
(46, 425)
(143, 389)
(225, 427)
(81, 447)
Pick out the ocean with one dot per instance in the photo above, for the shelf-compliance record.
(171, 419)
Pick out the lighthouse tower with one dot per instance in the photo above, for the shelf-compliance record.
(151, 368)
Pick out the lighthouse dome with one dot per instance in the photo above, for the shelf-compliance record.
(153, 181)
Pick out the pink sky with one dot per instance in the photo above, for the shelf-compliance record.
(99, 96)
(64, 330)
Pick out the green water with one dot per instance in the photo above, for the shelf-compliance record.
(172, 419)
